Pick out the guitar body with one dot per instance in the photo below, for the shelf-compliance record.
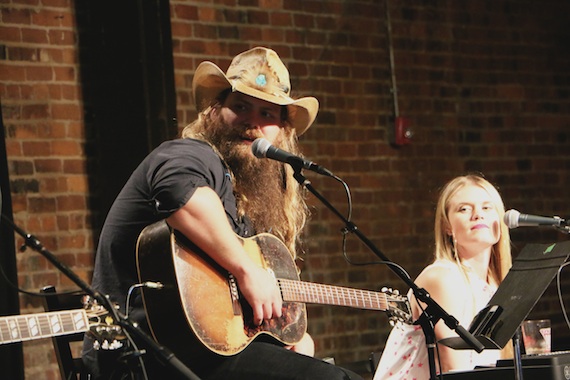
(200, 305)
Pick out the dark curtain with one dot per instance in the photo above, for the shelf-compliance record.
(11, 356)
(127, 79)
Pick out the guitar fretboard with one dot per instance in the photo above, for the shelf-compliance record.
(42, 325)
(299, 291)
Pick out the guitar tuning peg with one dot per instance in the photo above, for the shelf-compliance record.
(87, 301)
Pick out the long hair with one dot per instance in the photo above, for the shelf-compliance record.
(296, 211)
(501, 260)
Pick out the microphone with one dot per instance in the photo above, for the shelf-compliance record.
(514, 219)
(262, 148)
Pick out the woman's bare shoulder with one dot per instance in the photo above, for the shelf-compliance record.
(442, 277)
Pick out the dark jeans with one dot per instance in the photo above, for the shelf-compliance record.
(268, 361)
(259, 361)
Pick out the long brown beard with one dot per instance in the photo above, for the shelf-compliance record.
(258, 183)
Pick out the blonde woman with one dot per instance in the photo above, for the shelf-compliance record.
(472, 257)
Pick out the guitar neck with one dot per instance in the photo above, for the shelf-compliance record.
(299, 291)
(42, 325)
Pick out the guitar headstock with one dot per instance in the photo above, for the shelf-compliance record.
(102, 328)
(399, 309)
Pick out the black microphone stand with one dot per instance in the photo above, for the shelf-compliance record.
(517, 360)
(433, 312)
(163, 353)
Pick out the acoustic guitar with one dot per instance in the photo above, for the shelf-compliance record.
(201, 302)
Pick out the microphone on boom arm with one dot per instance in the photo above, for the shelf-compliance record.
(262, 148)
(514, 219)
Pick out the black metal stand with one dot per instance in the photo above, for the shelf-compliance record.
(429, 333)
(162, 352)
(517, 355)
(432, 314)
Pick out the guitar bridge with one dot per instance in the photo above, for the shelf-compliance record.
(234, 294)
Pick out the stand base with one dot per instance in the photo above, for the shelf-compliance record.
(538, 372)
(545, 367)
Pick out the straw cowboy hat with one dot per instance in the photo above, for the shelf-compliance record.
(260, 73)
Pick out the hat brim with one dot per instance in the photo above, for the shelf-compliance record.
(209, 81)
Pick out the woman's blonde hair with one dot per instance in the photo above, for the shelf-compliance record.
(296, 211)
(501, 260)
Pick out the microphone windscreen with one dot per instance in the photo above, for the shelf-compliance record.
(260, 147)
(511, 218)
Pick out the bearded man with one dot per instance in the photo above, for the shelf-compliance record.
(209, 187)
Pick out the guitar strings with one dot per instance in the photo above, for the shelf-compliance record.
(307, 292)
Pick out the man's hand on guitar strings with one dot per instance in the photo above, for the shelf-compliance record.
(260, 290)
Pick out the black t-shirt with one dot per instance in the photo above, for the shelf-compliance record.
(163, 182)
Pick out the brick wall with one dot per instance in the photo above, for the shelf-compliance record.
(484, 84)
(43, 119)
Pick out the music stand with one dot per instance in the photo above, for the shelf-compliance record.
(531, 273)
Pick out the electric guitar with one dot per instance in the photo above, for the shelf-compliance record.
(19, 328)
(200, 300)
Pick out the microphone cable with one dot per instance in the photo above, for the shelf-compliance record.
(559, 290)
(346, 230)
(138, 353)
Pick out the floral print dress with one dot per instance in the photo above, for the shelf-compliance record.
(405, 356)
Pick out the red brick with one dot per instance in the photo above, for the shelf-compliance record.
(185, 12)
(34, 36)
(9, 34)
(15, 16)
(40, 205)
(66, 111)
(39, 73)
(66, 148)
(53, 18)
(65, 74)
(36, 148)
(70, 203)
(48, 165)
(10, 73)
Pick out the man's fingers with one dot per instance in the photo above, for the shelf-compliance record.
(257, 314)
(274, 310)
